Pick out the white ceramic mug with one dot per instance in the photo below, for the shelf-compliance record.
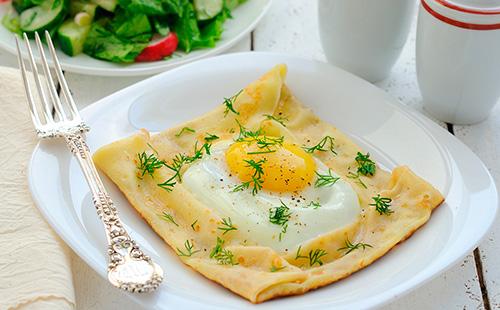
(364, 37)
(458, 58)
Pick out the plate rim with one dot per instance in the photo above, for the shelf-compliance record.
(432, 128)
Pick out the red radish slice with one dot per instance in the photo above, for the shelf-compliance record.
(159, 48)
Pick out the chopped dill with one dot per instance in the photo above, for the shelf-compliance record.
(168, 185)
(184, 130)
(278, 119)
(180, 160)
(229, 102)
(314, 256)
(279, 215)
(314, 204)
(276, 269)
(366, 166)
(148, 164)
(169, 218)
(210, 137)
(327, 140)
(189, 249)
(261, 152)
(257, 180)
(349, 246)
(194, 223)
(382, 205)
(357, 178)
(221, 255)
(325, 179)
(246, 135)
(227, 226)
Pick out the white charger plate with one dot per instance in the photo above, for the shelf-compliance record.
(393, 134)
(245, 18)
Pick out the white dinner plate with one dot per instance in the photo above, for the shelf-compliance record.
(393, 134)
(245, 18)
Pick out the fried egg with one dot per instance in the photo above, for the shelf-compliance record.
(289, 174)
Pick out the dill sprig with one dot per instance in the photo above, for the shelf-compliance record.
(210, 137)
(357, 178)
(225, 257)
(261, 152)
(229, 102)
(246, 135)
(169, 218)
(194, 223)
(184, 130)
(382, 205)
(349, 246)
(366, 166)
(280, 216)
(276, 269)
(148, 163)
(263, 142)
(278, 119)
(198, 152)
(189, 249)
(180, 160)
(221, 255)
(314, 256)
(327, 140)
(176, 165)
(257, 180)
(227, 226)
(297, 255)
(314, 204)
(168, 185)
(325, 179)
(217, 248)
(283, 231)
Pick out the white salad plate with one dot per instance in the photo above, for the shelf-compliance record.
(245, 18)
(393, 134)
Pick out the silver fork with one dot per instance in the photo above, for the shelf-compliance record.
(128, 267)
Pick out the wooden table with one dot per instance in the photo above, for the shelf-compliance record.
(291, 27)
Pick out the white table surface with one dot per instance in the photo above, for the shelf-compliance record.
(291, 27)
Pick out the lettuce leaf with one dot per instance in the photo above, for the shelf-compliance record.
(103, 44)
(129, 26)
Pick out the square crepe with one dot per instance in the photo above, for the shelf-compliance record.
(265, 198)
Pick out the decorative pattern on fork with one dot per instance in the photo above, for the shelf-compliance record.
(128, 267)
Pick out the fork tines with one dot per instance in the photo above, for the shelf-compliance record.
(65, 116)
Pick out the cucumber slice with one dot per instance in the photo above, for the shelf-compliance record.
(207, 9)
(72, 37)
(108, 5)
(76, 7)
(45, 16)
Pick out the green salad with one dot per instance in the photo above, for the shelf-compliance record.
(123, 31)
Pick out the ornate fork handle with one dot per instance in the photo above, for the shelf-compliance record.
(128, 268)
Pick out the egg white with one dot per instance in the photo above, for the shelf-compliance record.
(211, 182)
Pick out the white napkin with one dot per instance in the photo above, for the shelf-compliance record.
(34, 263)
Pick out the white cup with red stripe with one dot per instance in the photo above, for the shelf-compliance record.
(458, 58)
(365, 37)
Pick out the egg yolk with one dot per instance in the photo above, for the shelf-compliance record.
(285, 167)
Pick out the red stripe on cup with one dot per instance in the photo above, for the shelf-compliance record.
(457, 23)
(467, 10)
